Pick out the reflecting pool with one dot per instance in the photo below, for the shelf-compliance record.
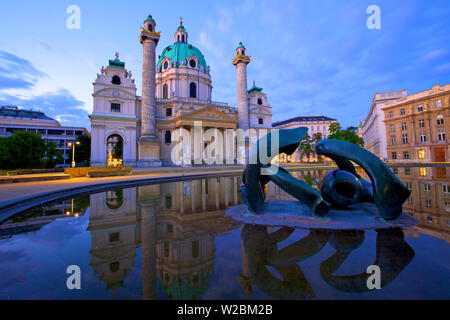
(172, 241)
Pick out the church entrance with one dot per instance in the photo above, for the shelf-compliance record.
(114, 151)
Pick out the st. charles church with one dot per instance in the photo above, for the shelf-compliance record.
(133, 130)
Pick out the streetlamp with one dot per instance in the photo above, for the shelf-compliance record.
(73, 152)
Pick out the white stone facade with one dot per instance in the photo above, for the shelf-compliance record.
(373, 128)
(177, 91)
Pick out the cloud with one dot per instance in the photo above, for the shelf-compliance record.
(18, 74)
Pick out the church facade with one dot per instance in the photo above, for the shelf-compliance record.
(133, 130)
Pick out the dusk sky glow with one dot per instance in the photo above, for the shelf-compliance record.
(310, 57)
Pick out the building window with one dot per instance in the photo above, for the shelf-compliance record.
(392, 140)
(410, 201)
(115, 107)
(405, 138)
(402, 112)
(440, 119)
(428, 205)
(421, 154)
(394, 155)
(166, 249)
(165, 91)
(420, 108)
(405, 155)
(168, 201)
(423, 137)
(260, 120)
(407, 172)
(150, 27)
(182, 38)
(259, 101)
(116, 80)
(395, 170)
(193, 90)
(404, 126)
(169, 228)
(446, 189)
(168, 137)
(195, 249)
(423, 172)
(114, 236)
(427, 188)
(192, 63)
(438, 103)
(421, 123)
(441, 135)
(392, 128)
(168, 112)
(166, 65)
(390, 114)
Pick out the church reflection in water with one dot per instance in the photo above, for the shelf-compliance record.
(173, 226)
(174, 223)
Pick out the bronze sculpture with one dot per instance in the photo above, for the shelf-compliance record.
(341, 188)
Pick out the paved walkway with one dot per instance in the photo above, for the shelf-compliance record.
(17, 197)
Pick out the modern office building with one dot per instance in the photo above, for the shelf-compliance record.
(13, 119)
(417, 127)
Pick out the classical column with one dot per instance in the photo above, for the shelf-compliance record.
(204, 195)
(241, 61)
(148, 143)
(245, 277)
(148, 241)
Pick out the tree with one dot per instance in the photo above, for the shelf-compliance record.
(22, 150)
(83, 150)
(305, 147)
(53, 156)
(347, 135)
(315, 139)
(334, 128)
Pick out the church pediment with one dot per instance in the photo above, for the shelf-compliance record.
(208, 113)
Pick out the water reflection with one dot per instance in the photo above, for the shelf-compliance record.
(393, 254)
(165, 236)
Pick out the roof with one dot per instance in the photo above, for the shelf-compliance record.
(7, 111)
(303, 119)
(179, 52)
(117, 64)
(150, 18)
(240, 45)
(254, 89)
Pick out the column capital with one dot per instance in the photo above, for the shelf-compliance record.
(149, 35)
(241, 58)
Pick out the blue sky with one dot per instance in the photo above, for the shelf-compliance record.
(311, 57)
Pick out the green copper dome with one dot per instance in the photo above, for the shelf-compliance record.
(180, 52)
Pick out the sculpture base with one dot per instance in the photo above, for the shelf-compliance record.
(294, 214)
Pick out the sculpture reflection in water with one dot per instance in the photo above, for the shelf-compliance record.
(260, 251)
